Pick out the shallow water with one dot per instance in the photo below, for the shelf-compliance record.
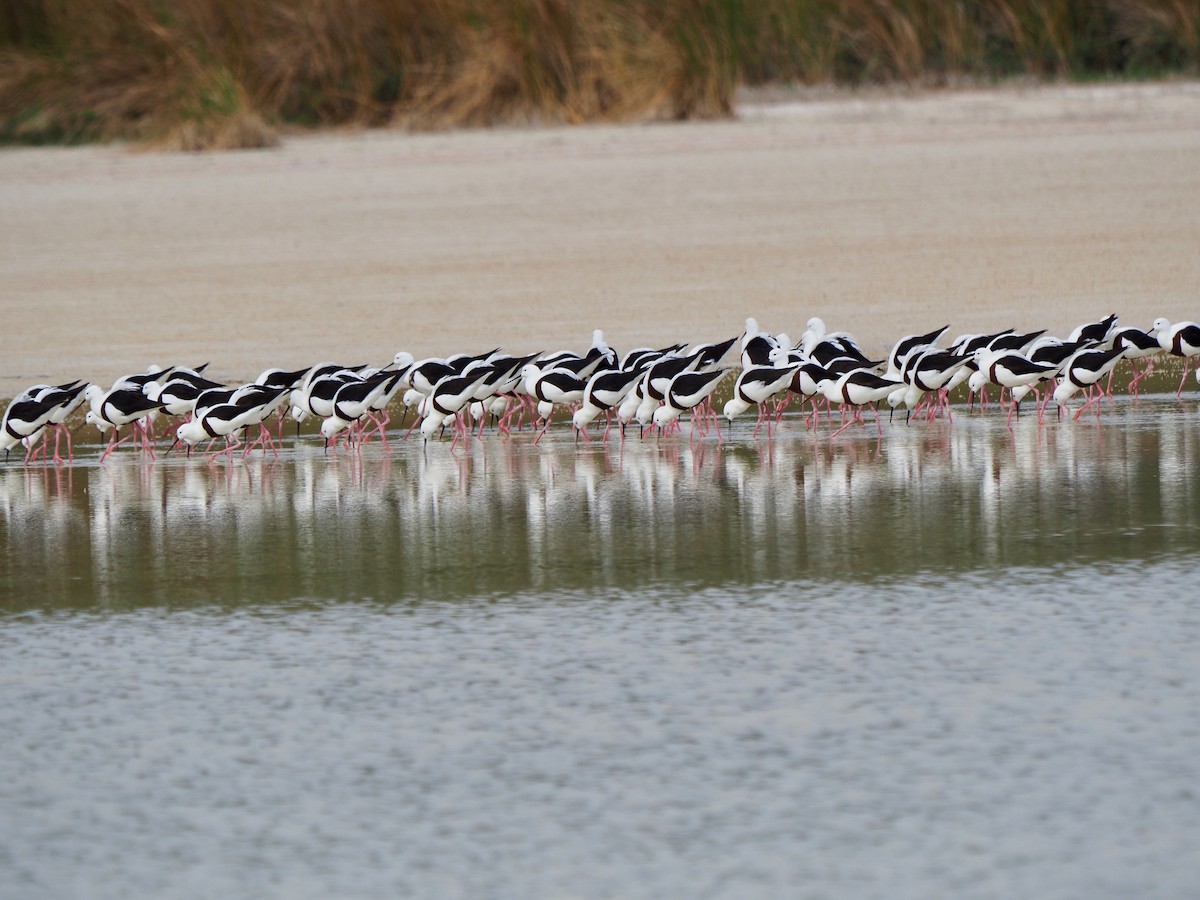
(960, 660)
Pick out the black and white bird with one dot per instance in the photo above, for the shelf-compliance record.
(757, 345)
(856, 389)
(1048, 351)
(1013, 341)
(113, 409)
(355, 400)
(447, 399)
(927, 371)
(1094, 332)
(755, 386)
(687, 391)
(658, 379)
(604, 390)
(712, 354)
(251, 406)
(904, 347)
(1181, 339)
(552, 387)
(643, 356)
(1137, 344)
(32, 410)
(1008, 369)
(1084, 370)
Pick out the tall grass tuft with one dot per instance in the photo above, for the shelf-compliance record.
(204, 73)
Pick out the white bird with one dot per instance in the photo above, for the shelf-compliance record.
(858, 388)
(1084, 370)
(355, 400)
(1181, 339)
(1008, 369)
(754, 387)
(1136, 344)
(604, 391)
(116, 408)
(30, 412)
(687, 391)
(908, 345)
(227, 420)
(445, 401)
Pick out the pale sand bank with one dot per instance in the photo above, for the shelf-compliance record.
(883, 213)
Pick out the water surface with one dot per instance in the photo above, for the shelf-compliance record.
(960, 660)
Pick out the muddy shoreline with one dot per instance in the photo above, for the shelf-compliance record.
(883, 213)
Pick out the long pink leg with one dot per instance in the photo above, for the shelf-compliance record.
(416, 422)
(1091, 398)
(147, 444)
(544, 427)
(32, 452)
(383, 424)
(113, 443)
(1187, 360)
(1012, 408)
(1138, 376)
(758, 424)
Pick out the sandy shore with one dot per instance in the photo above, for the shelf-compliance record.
(883, 213)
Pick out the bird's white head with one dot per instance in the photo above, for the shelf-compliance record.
(333, 426)
(102, 425)
(93, 394)
(190, 433)
(976, 381)
(665, 414)
(1160, 324)
(735, 406)
(403, 359)
(529, 376)
(645, 410)
(431, 423)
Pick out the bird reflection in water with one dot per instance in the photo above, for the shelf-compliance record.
(511, 517)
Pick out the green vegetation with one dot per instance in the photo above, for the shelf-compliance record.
(212, 73)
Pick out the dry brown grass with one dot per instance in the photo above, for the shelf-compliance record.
(213, 73)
